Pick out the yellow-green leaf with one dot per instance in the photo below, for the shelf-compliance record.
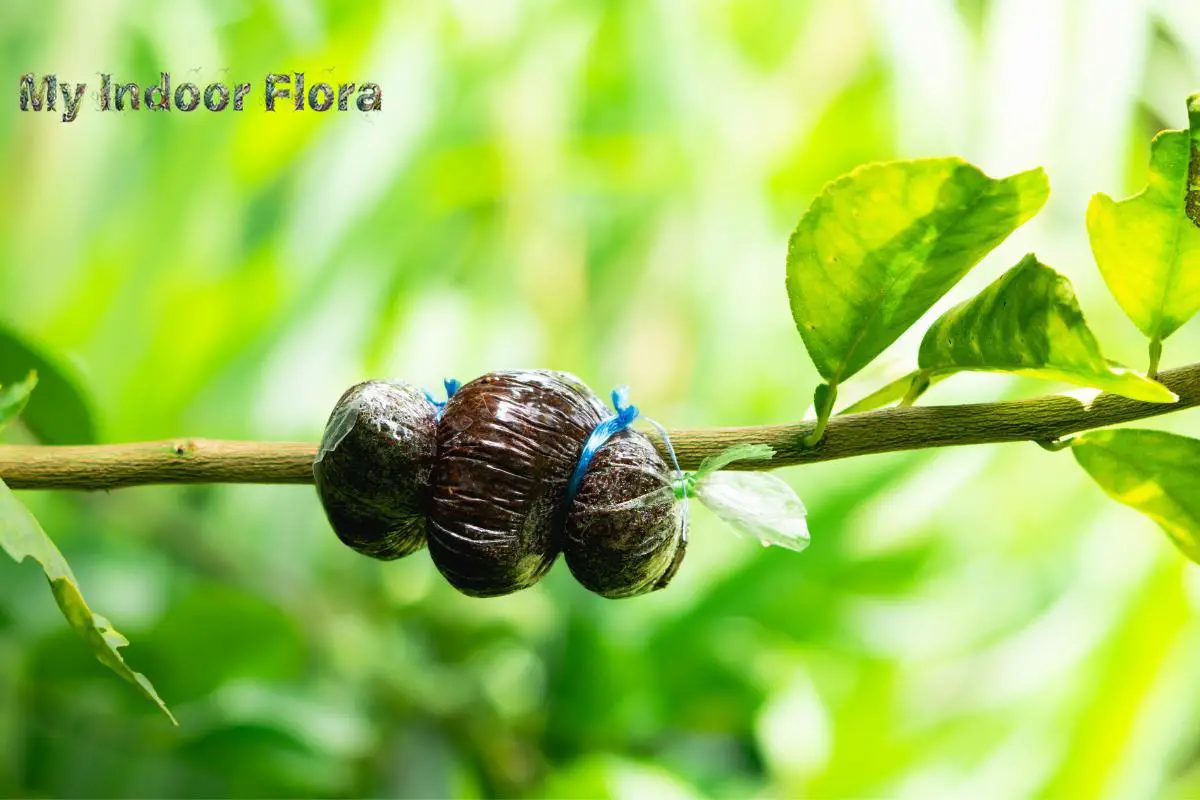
(882, 244)
(1155, 472)
(22, 537)
(1148, 246)
(13, 399)
(1028, 322)
(886, 395)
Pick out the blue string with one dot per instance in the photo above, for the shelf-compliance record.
(624, 417)
(452, 386)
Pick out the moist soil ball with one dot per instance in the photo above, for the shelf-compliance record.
(373, 468)
(624, 532)
(507, 443)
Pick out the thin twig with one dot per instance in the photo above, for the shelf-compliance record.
(1041, 419)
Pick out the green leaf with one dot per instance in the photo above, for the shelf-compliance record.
(14, 398)
(882, 244)
(738, 452)
(22, 537)
(1028, 322)
(1157, 473)
(61, 412)
(1148, 246)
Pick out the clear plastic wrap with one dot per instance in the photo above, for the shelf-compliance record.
(758, 504)
(372, 468)
(617, 548)
(507, 445)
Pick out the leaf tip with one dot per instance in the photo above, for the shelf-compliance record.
(1033, 188)
(1151, 391)
(1039, 176)
(1098, 204)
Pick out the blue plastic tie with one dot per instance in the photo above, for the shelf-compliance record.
(452, 385)
(624, 417)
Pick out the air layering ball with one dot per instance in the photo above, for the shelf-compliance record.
(625, 532)
(372, 469)
(507, 444)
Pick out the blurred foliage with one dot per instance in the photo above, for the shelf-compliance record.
(607, 188)
(62, 414)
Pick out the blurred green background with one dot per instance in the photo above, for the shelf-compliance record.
(606, 188)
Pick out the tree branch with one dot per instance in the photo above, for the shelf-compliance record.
(1042, 419)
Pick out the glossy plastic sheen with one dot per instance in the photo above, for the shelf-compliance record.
(625, 531)
(372, 469)
(507, 444)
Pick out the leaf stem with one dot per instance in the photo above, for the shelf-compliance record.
(1040, 419)
(920, 383)
(824, 397)
(1155, 355)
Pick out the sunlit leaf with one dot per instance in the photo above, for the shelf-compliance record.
(1148, 246)
(881, 245)
(13, 399)
(1028, 322)
(1155, 472)
(22, 537)
(60, 413)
